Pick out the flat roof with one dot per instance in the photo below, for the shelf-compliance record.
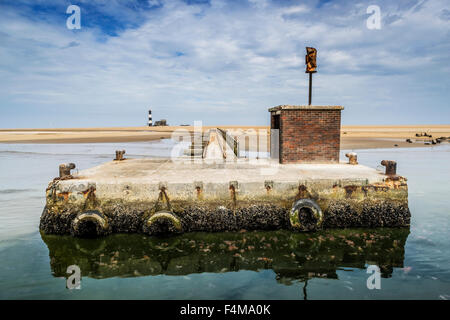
(292, 107)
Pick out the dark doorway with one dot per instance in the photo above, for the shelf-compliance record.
(275, 136)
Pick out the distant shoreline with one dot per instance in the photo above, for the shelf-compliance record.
(352, 137)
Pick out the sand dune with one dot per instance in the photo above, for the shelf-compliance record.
(352, 137)
(368, 137)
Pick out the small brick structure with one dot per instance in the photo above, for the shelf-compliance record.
(305, 133)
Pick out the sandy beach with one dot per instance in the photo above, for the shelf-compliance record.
(370, 137)
(352, 137)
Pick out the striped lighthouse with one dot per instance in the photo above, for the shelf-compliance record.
(150, 123)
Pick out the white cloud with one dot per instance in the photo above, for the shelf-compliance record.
(222, 64)
(295, 9)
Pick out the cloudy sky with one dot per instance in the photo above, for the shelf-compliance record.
(222, 62)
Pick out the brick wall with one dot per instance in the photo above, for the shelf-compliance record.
(309, 135)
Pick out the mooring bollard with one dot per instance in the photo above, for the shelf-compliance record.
(64, 169)
(119, 155)
(391, 167)
(352, 158)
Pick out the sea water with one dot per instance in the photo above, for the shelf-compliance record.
(330, 264)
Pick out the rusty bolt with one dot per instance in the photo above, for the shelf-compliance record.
(352, 158)
(119, 155)
(64, 169)
(233, 185)
(391, 167)
(268, 184)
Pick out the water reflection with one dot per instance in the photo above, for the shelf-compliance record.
(292, 256)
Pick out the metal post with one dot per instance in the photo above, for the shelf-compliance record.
(310, 88)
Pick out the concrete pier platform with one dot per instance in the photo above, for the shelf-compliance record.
(151, 171)
(164, 196)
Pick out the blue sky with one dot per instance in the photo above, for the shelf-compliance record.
(222, 62)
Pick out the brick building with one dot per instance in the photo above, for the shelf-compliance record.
(305, 133)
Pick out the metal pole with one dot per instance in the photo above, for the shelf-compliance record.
(310, 88)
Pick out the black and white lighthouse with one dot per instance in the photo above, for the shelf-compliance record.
(150, 123)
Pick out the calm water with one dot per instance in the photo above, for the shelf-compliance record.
(330, 264)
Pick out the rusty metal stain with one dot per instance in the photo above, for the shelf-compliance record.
(163, 196)
(349, 190)
(233, 193)
(87, 192)
(91, 199)
(199, 192)
(302, 193)
(64, 195)
(365, 189)
(391, 182)
(268, 184)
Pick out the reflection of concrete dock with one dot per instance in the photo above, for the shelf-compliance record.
(292, 256)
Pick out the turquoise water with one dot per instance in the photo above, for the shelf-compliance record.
(331, 264)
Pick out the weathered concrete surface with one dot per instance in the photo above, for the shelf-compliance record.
(125, 196)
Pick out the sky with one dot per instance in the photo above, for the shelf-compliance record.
(221, 62)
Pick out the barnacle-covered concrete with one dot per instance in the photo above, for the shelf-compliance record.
(164, 196)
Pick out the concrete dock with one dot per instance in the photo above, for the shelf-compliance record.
(164, 196)
(302, 186)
